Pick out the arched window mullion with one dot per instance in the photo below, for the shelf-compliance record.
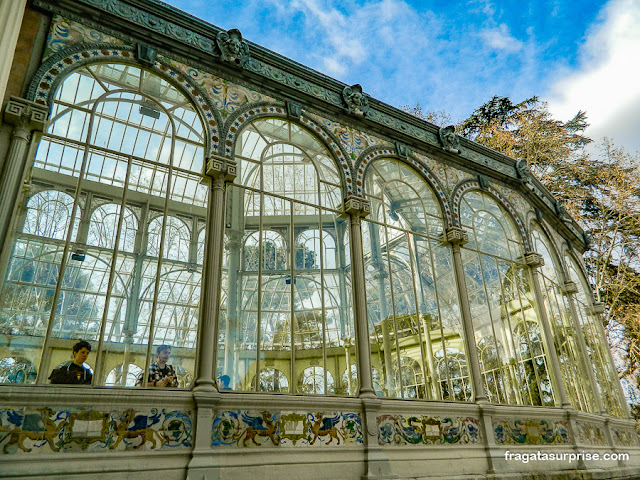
(63, 262)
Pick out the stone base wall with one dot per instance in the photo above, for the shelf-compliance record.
(57, 432)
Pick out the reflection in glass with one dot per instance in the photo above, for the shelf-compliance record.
(286, 303)
(506, 324)
(107, 250)
(597, 348)
(412, 303)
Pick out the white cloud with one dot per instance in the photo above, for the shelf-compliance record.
(501, 39)
(605, 83)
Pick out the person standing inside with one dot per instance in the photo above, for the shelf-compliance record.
(161, 374)
(74, 372)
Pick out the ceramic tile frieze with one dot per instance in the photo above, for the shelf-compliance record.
(65, 32)
(515, 199)
(226, 96)
(247, 428)
(624, 437)
(353, 141)
(590, 433)
(530, 431)
(427, 430)
(45, 430)
(449, 177)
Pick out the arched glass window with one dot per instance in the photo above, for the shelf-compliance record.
(121, 377)
(103, 226)
(506, 323)
(597, 349)
(286, 282)
(127, 148)
(17, 370)
(270, 251)
(272, 380)
(177, 238)
(454, 374)
(316, 381)
(409, 374)
(572, 359)
(49, 215)
(308, 246)
(412, 300)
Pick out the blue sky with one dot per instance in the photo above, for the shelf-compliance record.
(453, 56)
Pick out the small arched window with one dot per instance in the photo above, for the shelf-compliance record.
(49, 215)
(104, 225)
(177, 238)
(272, 380)
(313, 381)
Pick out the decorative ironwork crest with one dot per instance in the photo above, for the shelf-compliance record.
(233, 48)
(523, 171)
(449, 140)
(356, 100)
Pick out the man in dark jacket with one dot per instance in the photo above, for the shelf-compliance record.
(74, 373)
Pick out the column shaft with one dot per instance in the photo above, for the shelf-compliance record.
(220, 173)
(569, 290)
(356, 208)
(360, 308)
(11, 177)
(547, 336)
(455, 236)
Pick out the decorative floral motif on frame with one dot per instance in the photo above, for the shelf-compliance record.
(516, 200)
(225, 95)
(449, 177)
(625, 437)
(245, 428)
(590, 434)
(45, 430)
(426, 430)
(64, 32)
(353, 141)
(530, 431)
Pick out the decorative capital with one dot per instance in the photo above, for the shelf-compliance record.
(569, 288)
(523, 171)
(449, 140)
(356, 100)
(454, 236)
(597, 308)
(147, 54)
(294, 110)
(483, 182)
(219, 167)
(233, 48)
(402, 150)
(533, 259)
(589, 243)
(25, 114)
(562, 212)
(356, 206)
